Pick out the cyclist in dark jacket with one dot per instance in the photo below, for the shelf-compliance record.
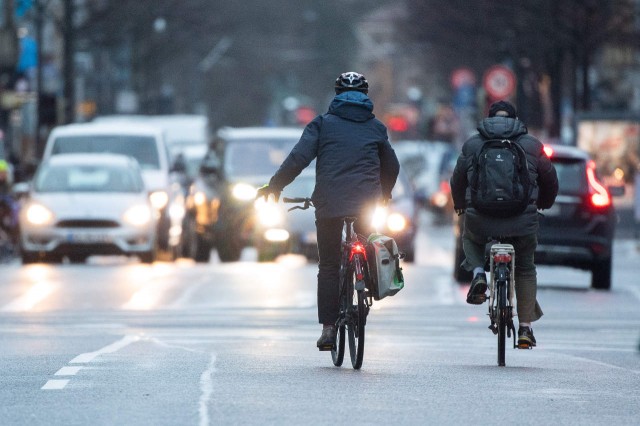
(502, 123)
(356, 168)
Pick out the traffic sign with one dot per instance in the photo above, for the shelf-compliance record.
(462, 77)
(499, 82)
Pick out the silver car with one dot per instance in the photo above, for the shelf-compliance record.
(87, 204)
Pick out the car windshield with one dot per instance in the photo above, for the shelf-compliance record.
(255, 157)
(81, 178)
(142, 148)
(571, 176)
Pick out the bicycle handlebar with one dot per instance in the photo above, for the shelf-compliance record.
(307, 202)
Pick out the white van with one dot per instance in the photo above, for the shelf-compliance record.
(147, 145)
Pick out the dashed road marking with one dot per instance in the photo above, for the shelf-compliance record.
(55, 384)
(58, 384)
(68, 371)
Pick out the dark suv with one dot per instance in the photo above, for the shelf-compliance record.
(578, 230)
(220, 201)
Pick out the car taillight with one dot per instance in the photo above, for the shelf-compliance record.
(548, 150)
(445, 187)
(598, 194)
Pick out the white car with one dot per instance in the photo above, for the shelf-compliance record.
(80, 205)
(147, 145)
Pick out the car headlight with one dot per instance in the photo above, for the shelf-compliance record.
(396, 222)
(139, 215)
(37, 214)
(268, 213)
(199, 198)
(159, 199)
(244, 191)
(379, 217)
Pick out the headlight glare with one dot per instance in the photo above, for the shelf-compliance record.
(37, 214)
(139, 215)
(396, 222)
(244, 192)
(159, 199)
(268, 213)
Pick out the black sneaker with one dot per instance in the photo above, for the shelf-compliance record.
(476, 294)
(525, 338)
(327, 339)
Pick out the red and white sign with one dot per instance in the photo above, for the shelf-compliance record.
(499, 82)
(462, 77)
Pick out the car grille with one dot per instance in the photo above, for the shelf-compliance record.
(87, 223)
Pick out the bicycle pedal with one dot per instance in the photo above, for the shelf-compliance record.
(324, 348)
(493, 328)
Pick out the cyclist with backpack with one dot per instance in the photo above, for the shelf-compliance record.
(500, 180)
(356, 168)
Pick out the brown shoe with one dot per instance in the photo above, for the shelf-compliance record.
(327, 339)
(476, 295)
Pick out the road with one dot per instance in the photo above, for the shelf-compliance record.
(118, 342)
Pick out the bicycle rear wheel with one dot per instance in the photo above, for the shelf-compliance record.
(502, 321)
(355, 329)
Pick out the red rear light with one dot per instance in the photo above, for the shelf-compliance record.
(599, 196)
(501, 258)
(358, 248)
(548, 150)
(445, 187)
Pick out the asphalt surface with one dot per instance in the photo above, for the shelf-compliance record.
(118, 342)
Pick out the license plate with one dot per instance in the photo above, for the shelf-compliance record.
(88, 238)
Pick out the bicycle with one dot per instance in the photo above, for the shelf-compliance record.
(356, 297)
(501, 294)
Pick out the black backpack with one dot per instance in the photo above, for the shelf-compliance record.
(500, 183)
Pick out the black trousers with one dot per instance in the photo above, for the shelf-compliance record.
(329, 231)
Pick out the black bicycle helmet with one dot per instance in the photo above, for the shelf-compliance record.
(351, 81)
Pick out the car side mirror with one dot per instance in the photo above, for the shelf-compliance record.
(20, 190)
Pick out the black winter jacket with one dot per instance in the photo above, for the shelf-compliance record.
(541, 171)
(355, 166)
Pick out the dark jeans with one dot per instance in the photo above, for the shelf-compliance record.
(329, 232)
(525, 274)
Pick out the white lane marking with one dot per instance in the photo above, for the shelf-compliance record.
(116, 346)
(68, 371)
(186, 296)
(206, 386)
(603, 364)
(148, 296)
(32, 297)
(55, 384)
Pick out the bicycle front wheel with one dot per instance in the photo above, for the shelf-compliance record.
(355, 329)
(337, 353)
(502, 321)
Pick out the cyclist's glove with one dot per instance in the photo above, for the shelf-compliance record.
(266, 190)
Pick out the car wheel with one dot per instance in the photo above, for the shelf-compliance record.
(601, 275)
(229, 250)
(189, 237)
(148, 256)
(29, 257)
(460, 274)
(202, 251)
(77, 258)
